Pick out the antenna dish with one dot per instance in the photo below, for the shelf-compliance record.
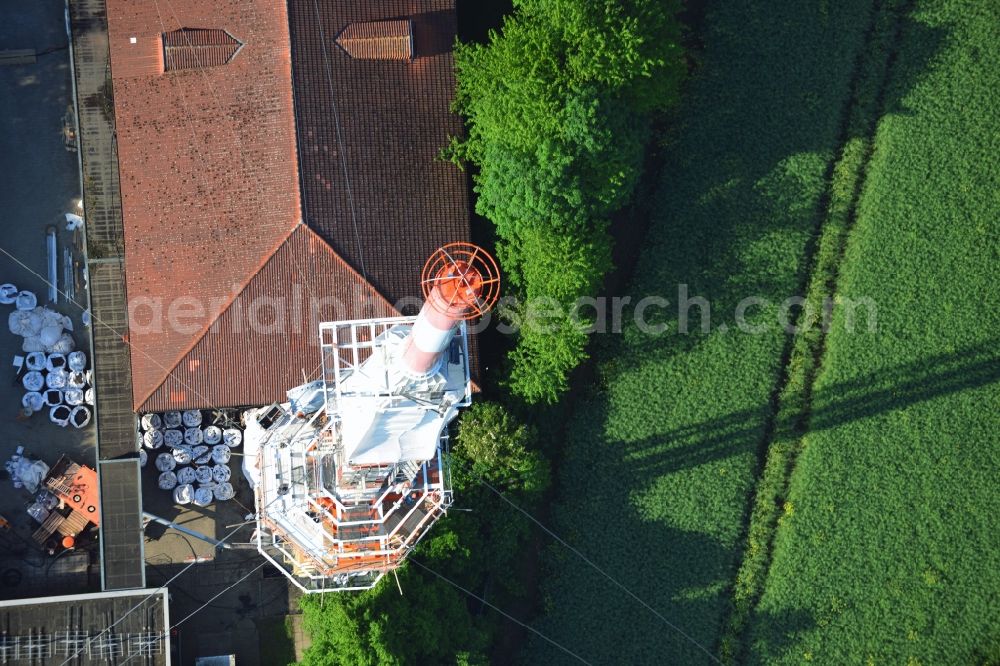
(461, 280)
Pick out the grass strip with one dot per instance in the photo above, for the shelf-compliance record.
(794, 402)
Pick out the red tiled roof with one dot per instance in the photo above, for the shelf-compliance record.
(209, 178)
(394, 119)
(267, 339)
(210, 183)
(378, 40)
(188, 48)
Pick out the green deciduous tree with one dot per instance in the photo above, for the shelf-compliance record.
(495, 447)
(429, 623)
(558, 107)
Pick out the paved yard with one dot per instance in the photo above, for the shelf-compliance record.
(41, 183)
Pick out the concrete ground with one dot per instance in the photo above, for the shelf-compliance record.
(229, 624)
(41, 183)
(169, 546)
(300, 639)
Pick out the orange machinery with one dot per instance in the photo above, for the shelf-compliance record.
(76, 488)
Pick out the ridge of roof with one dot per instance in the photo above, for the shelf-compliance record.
(137, 404)
(339, 259)
(311, 237)
(371, 181)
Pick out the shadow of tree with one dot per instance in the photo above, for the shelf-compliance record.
(615, 628)
(867, 396)
(742, 188)
(684, 574)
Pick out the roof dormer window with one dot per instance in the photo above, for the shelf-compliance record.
(378, 40)
(191, 48)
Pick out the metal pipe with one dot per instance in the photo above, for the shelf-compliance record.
(53, 264)
(457, 287)
(69, 284)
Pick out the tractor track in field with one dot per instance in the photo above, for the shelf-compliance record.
(790, 405)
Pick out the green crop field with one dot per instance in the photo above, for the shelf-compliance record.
(660, 460)
(829, 497)
(888, 549)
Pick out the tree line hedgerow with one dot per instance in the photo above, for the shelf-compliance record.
(558, 105)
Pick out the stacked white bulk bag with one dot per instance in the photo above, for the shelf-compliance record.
(150, 422)
(152, 439)
(77, 380)
(79, 417)
(33, 380)
(60, 415)
(43, 330)
(8, 294)
(73, 222)
(25, 472)
(224, 491)
(165, 462)
(173, 438)
(201, 455)
(19, 323)
(55, 375)
(32, 344)
(57, 379)
(55, 361)
(49, 335)
(64, 345)
(77, 361)
(172, 420)
(53, 397)
(25, 300)
(33, 400)
(183, 493)
(73, 396)
(36, 361)
(186, 475)
(232, 437)
(203, 496)
(203, 474)
(198, 456)
(167, 480)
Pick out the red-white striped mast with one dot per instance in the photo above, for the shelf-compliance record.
(460, 281)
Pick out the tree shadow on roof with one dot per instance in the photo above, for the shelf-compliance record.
(433, 33)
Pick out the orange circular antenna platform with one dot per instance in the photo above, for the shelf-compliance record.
(68, 542)
(461, 280)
